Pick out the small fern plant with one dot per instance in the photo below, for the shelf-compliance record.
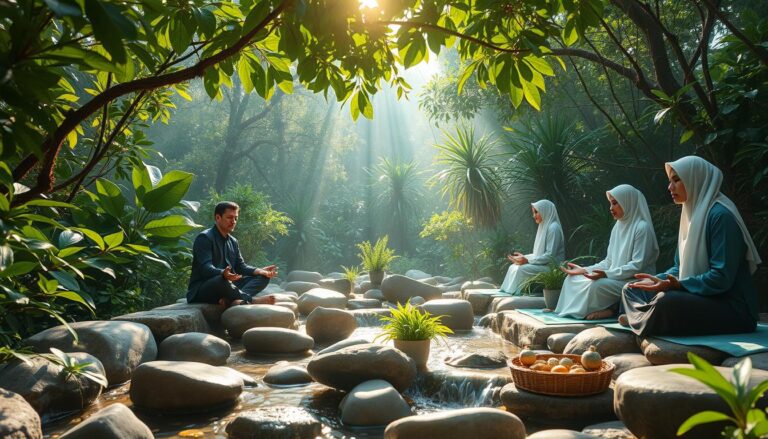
(410, 324)
(70, 367)
(351, 273)
(551, 279)
(376, 257)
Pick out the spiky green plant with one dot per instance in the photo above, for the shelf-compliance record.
(351, 273)
(551, 279)
(376, 257)
(409, 324)
(399, 195)
(70, 367)
(469, 176)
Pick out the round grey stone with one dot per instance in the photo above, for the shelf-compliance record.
(320, 297)
(456, 313)
(458, 424)
(276, 341)
(398, 289)
(607, 341)
(659, 352)
(238, 319)
(303, 276)
(195, 346)
(343, 344)
(301, 287)
(19, 419)
(114, 422)
(373, 403)
(625, 362)
(327, 325)
(347, 367)
(484, 359)
(557, 342)
(363, 303)
(374, 294)
(278, 422)
(287, 374)
(183, 387)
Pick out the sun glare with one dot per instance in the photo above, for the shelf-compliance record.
(372, 4)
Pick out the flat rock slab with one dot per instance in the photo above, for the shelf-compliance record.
(607, 341)
(609, 430)
(47, 390)
(19, 419)
(373, 403)
(347, 367)
(626, 362)
(485, 359)
(166, 322)
(479, 284)
(183, 387)
(374, 294)
(517, 302)
(342, 286)
(300, 287)
(279, 422)
(458, 424)
(523, 330)
(212, 312)
(287, 374)
(759, 361)
(238, 319)
(480, 300)
(456, 313)
(559, 411)
(114, 422)
(668, 399)
(276, 341)
(120, 346)
(659, 352)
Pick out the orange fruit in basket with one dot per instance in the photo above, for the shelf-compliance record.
(527, 357)
(591, 359)
(577, 369)
(559, 369)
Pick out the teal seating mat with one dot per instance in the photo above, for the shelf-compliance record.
(550, 318)
(736, 345)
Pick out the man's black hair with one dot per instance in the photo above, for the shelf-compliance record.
(225, 206)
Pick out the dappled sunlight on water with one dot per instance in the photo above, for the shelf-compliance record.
(443, 387)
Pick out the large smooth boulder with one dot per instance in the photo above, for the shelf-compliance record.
(303, 276)
(328, 325)
(574, 412)
(483, 359)
(499, 304)
(458, 424)
(287, 374)
(49, 391)
(557, 342)
(668, 399)
(183, 387)
(607, 341)
(166, 322)
(276, 341)
(238, 319)
(120, 346)
(417, 274)
(277, 422)
(625, 362)
(211, 311)
(301, 287)
(195, 346)
(343, 286)
(456, 313)
(659, 352)
(113, 422)
(398, 289)
(343, 344)
(371, 403)
(320, 297)
(19, 419)
(347, 367)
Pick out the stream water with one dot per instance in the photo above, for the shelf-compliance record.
(441, 387)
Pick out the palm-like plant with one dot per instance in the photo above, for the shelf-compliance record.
(400, 195)
(546, 160)
(470, 178)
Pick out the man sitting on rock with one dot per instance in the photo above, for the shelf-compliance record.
(219, 273)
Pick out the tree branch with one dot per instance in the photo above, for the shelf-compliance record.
(760, 52)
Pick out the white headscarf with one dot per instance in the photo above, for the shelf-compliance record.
(548, 213)
(702, 182)
(620, 246)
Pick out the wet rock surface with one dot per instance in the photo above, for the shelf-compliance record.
(482, 360)
(458, 424)
(373, 403)
(114, 422)
(166, 322)
(347, 367)
(328, 325)
(287, 374)
(279, 422)
(195, 346)
(267, 340)
(19, 419)
(560, 411)
(238, 319)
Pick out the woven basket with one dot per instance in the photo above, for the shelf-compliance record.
(561, 384)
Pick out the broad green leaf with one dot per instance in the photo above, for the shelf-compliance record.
(141, 182)
(6, 257)
(102, 266)
(114, 239)
(532, 95)
(63, 8)
(172, 226)
(700, 418)
(69, 251)
(66, 280)
(540, 65)
(50, 203)
(110, 197)
(570, 33)
(158, 261)
(168, 192)
(105, 30)
(244, 72)
(68, 237)
(73, 296)
(19, 268)
(686, 135)
(93, 236)
(140, 248)
(465, 75)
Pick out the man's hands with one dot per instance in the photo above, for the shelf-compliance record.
(654, 284)
(230, 276)
(573, 269)
(517, 258)
(595, 275)
(269, 271)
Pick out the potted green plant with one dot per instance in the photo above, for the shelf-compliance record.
(551, 281)
(412, 330)
(350, 274)
(376, 258)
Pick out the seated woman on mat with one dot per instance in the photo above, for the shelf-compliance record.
(594, 292)
(548, 248)
(709, 290)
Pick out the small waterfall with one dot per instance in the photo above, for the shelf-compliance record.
(370, 317)
(441, 389)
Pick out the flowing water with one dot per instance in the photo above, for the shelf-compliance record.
(441, 387)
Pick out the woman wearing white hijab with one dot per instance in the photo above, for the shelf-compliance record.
(709, 290)
(548, 248)
(594, 292)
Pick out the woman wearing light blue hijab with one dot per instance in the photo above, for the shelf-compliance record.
(548, 248)
(594, 292)
(709, 290)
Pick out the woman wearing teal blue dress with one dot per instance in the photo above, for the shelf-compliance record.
(709, 290)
